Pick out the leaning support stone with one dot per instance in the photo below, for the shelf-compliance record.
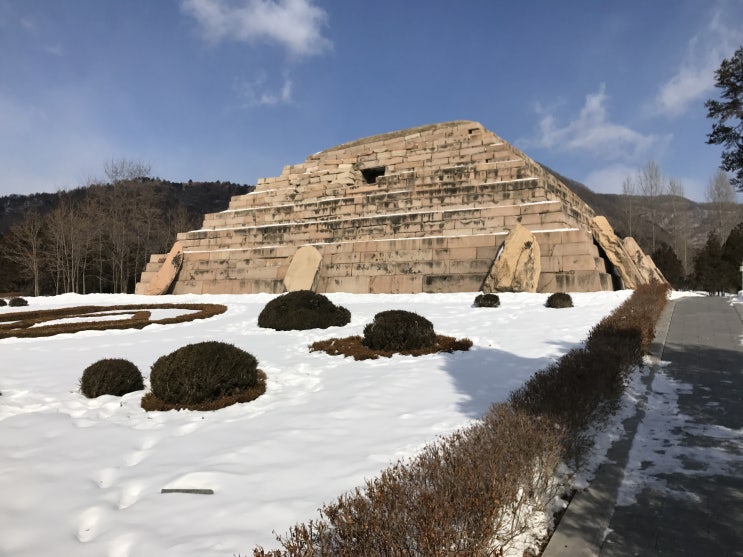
(160, 283)
(517, 265)
(644, 262)
(304, 270)
(623, 263)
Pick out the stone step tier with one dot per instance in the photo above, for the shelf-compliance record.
(570, 262)
(421, 210)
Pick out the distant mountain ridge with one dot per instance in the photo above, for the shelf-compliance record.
(611, 205)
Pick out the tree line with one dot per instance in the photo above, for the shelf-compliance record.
(98, 238)
(654, 211)
(715, 267)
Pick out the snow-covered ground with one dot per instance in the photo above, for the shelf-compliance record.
(84, 477)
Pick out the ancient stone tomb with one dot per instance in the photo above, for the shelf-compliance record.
(441, 208)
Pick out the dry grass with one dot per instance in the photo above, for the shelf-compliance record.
(30, 324)
(151, 403)
(354, 347)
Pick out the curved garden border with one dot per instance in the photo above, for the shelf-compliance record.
(30, 324)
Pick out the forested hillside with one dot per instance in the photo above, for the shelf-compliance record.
(98, 238)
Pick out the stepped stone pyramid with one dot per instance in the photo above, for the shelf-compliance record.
(420, 210)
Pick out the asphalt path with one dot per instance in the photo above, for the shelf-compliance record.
(695, 509)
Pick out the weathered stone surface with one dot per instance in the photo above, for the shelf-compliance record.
(517, 265)
(162, 280)
(304, 270)
(417, 210)
(624, 265)
(644, 262)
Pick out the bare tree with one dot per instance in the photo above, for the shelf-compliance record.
(23, 246)
(650, 185)
(628, 202)
(721, 195)
(678, 221)
(125, 170)
(67, 246)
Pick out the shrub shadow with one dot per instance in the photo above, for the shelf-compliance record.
(485, 375)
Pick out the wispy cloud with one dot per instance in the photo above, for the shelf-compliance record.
(297, 25)
(592, 132)
(258, 92)
(695, 77)
(54, 50)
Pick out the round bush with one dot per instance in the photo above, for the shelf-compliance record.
(202, 372)
(559, 300)
(487, 301)
(114, 376)
(301, 310)
(18, 302)
(3, 302)
(399, 330)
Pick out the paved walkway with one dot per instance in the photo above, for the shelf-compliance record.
(674, 484)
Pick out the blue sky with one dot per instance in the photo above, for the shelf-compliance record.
(236, 89)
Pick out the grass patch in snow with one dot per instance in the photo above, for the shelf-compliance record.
(355, 348)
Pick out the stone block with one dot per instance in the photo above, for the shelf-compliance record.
(451, 283)
(304, 270)
(575, 281)
(460, 253)
(352, 285)
(188, 287)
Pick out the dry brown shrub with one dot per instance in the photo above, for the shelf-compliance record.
(30, 324)
(587, 383)
(455, 498)
(151, 403)
(464, 495)
(355, 348)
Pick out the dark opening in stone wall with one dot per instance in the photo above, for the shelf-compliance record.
(371, 174)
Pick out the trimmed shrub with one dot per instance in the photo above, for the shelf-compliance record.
(487, 301)
(559, 300)
(114, 376)
(302, 310)
(399, 330)
(3, 302)
(203, 372)
(18, 302)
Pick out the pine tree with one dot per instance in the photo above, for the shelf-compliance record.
(667, 261)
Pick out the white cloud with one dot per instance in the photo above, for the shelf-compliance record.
(294, 24)
(592, 132)
(695, 78)
(256, 92)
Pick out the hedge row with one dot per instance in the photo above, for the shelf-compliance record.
(466, 494)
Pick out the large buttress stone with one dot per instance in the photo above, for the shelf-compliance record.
(624, 265)
(304, 270)
(160, 283)
(517, 265)
(644, 262)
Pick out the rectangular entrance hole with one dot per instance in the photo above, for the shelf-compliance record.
(371, 174)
